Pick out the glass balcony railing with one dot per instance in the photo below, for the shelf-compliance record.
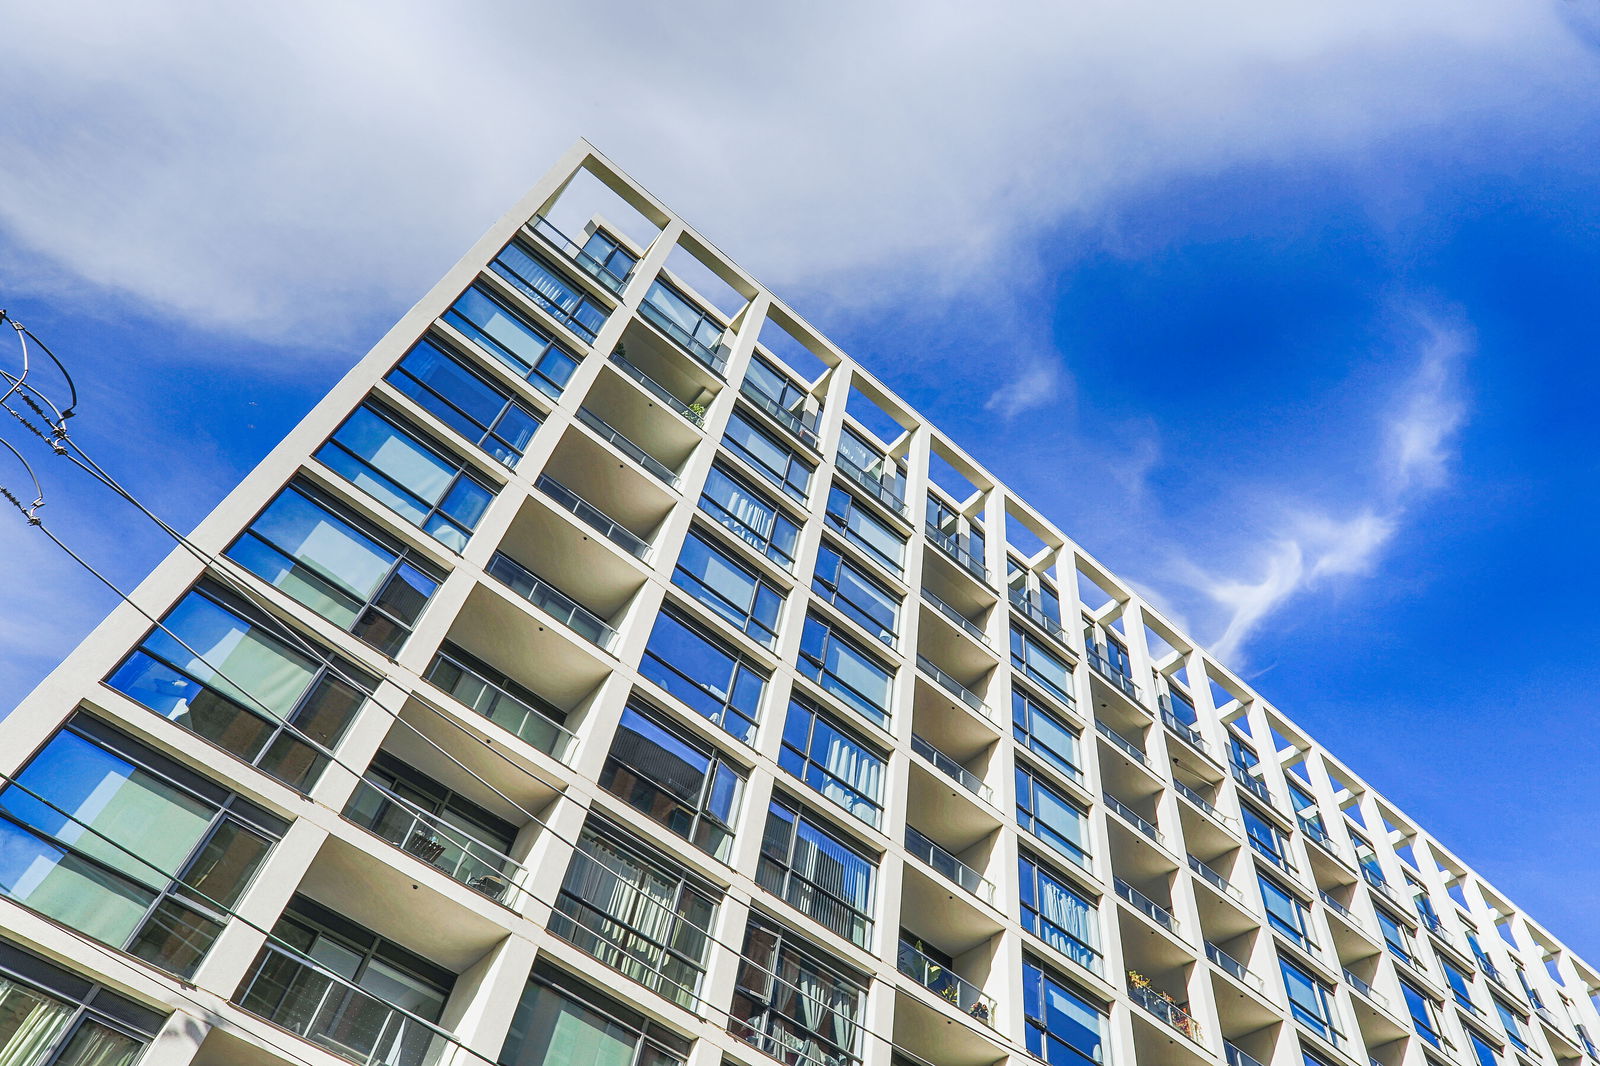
(620, 441)
(1147, 906)
(612, 272)
(1184, 730)
(1194, 797)
(1340, 909)
(952, 686)
(593, 517)
(1133, 818)
(1253, 785)
(695, 413)
(1035, 614)
(945, 983)
(873, 486)
(952, 769)
(1214, 879)
(430, 838)
(527, 721)
(1365, 989)
(802, 424)
(1122, 743)
(951, 546)
(551, 600)
(1234, 1057)
(1105, 669)
(312, 1002)
(1163, 1007)
(962, 621)
(1379, 882)
(1232, 967)
(1318, 835)
(949, 866)
(715, 359)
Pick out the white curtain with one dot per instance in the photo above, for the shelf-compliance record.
(29, 1023)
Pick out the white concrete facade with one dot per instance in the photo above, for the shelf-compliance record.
(1193, 793)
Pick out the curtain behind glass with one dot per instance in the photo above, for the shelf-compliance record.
(29, 1023)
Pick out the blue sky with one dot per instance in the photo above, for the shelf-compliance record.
(1286, 315)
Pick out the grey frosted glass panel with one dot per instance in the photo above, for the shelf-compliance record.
(68, 889)
(272, 679)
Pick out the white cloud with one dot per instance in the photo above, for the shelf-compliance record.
(1038, 383)
(302, 170)
(1431, 412)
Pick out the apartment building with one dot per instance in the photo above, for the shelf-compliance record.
(610, 671)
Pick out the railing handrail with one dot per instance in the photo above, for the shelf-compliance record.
(1030, 610)
(655, 388)
(1122, 742)
(917, 843)
(1163, 1008)
(659, 318)
(1144, 903)
(1204, 804)
(1141, 823)
(1212, 877)
(1102, 666)
(574, 251)
(951, 685)
(542, 588)
(951, 768)
(1335, 905)
(950, 544)
(565, 737)
(874, 487)
(627, 447)
(594, 517)
(1233, 1056)
(419, 816)
(802, 426)
(957, 617)
(1364, 987)
(1232, 966)
(1183, 729)
(969, 997)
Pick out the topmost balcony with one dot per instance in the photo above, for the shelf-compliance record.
(601, 256)
(687, 325)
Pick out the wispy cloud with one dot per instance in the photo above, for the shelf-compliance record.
(1306, 549)
(1037, 383)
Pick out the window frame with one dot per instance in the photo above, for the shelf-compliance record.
(1032, 874)
(861, 922)
(1025, 708)
(694, 584)
(800, 763)
(88, 1003)
(740, 668)
(797, 489)
(571, 319)
(722, 516)
(840, 519)
(702, 814)
(1028, 818)
(533, 373)
(511, 454)
(829, 590)
(812, 662)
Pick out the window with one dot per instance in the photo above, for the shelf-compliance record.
(354, 579)
(1117, 657)
(1182, 706)
(1046, 669)
(507, 336)
(637, 913)
(1424, 1012)
(560, 1022)
(817, 873)
(735, 592)
(1053, 818)
(842, 668)
(1516, 1026)
(1036, 726)
(378, 980)
(794, 1002)
(1265, 838)
(1063, 1028)
(882, 544)
(776, 394)
(1459, 985)
(104, 835)
(215, 671)
(867, 464)
(750, 517)
(1397, 938)
(695, 330)
(450, 390)
(49, 1017)
(411, 810)
(428, 488)
(1483, 1052)
(831, 760)
(1310, 1001)
(712, 680)
(605, 257)
(565, 302)
(859, 597)
(1058, 915)
(1284, 913)
(773, 460)
(686, 787)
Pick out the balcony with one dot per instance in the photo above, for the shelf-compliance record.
(952, 868)
(1122, 743)
(312, 1002)
(1134, 818)
(954, 687)
(551, 600)
(436, 842)
(1366, 990)
(1233, 967)
(1318, 835)
(593, 517)
(1147, 906)
(1188, 733)
(1161, 1005)
(956, 618)
(615, 437)
(1210, 876)
(873, 486)
(1253, 785)
(692, 412)
(1234, 1057)
(952, 769)
(800, 423)
(945, 983)
(1378, 881)
(699, 342)
(612, 272)
(1102, 666)
(518, 715)
(951, 545)
(1205, 806)
(1035, 614)
(1340, 909)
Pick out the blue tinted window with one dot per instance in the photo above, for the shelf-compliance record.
(1058, 915)
(1063, 1028)
(845, 670)
(516, 342)
(565, 302)
(1036, 726)
(453, 393)
(750, 517)
(862, 529)
(1046, 668)
(712, 680)
(817, 873)
(773, 460)
(735, 592)
(1051, 817)
(833, 761)
(865, 601)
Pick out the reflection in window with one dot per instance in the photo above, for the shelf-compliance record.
(775, 461)
(528, 351)
(735, 592)
(1051, 817)
(564, 302)
(750, 517)
(817, 873)
(562, 1022)
(682, 784)
(830, 759)
(49, 1017)
(711, 679)
(862, 529)
(844, 669)
(1063, 1028)
(1044, 733)
(862, 599)
(444, 385)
